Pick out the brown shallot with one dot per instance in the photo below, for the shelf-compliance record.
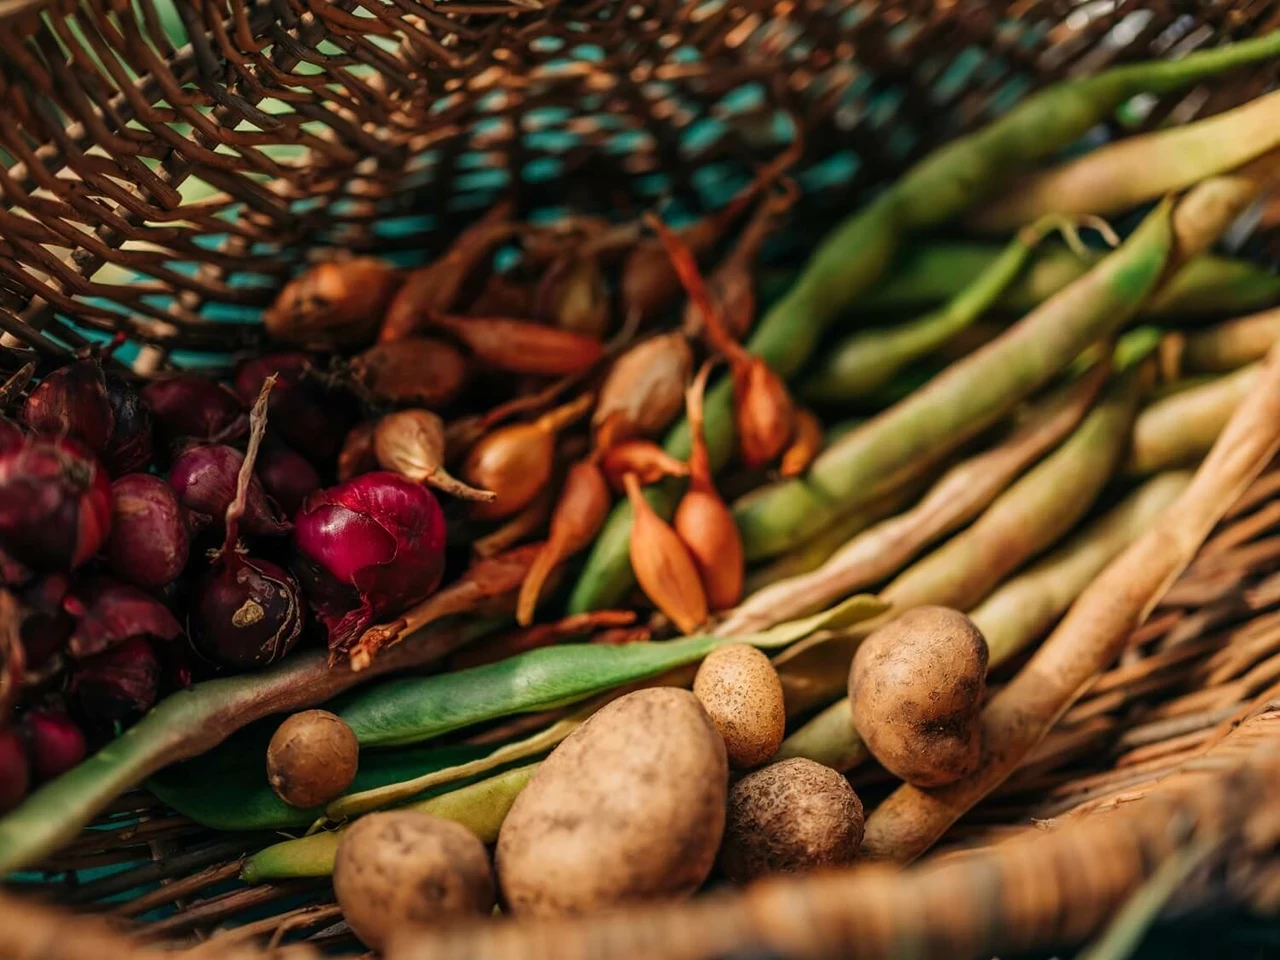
(643, 391)
(579, 513)
(516, 461)
(419, 370)
(648, 461)
(763, 411)
(515, 346)
(702, 519)
(438, 287)
(805, 444)
(332, 305)
(663, 565)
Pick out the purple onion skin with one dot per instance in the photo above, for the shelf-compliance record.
(14, 775)
(309, 417)
(204, 479)
(55, 505)
(119, 685)
(148, 543)
(288, 477)
(72, 402)
(369, 549)
(54, 743)
(108, 613)
(130, 447)
(11, 435)
(190, 406)
(247, 614)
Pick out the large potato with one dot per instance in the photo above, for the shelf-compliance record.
(402, 868)
(916, 687)
(630, 807)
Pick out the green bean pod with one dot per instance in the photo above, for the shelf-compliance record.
(933, 273)
(970, 395)
(868, 360)
(413, 709)
(1179, 429)
(856, 254)
(480, 807)
(1028, 517)
(1016, 613)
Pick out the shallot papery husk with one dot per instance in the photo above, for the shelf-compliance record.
(44, 627)
(332, 305)
(204, 478)
(644, 390)
(109, 612)
(189, 406)
(411, 442)
(247, 611)
(148, 543)
(307, 414)
(72, 402)
(368, 549)
(55, 504)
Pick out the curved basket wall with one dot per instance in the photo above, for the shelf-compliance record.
(166, 163)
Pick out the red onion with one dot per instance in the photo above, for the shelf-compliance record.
(54, 742)
(204, 478)
(129, 448)
(310, 417)
(148, 543)
(248, 613)
(108, 613)
(369, 549)
(119, 684)
(45, 627)
(13, 770)
(190, 405)
(11, 435)
(55, 504)
(288, 477)
(72, 401)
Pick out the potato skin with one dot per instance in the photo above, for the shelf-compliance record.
(742, 694)
(916, 687)
(630, 807)
(402, 868)
(313, 756)
(794, 816)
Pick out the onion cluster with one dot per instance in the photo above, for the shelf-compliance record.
(146, 536)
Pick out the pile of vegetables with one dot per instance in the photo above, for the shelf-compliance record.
(460, 465)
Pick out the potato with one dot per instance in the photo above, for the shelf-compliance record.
(630, 807)
(917, 686)
(742, 694)
(793, 816)
(312, 758)
(403, 868)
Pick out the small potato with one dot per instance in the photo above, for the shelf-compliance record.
(312, 758)
(742, 694)
(793, 816)
(916, 687)
(630, 807)
(403, 868)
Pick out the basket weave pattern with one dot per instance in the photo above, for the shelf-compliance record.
(166, 164)
(163, 182)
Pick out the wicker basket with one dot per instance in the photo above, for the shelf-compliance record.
(167, 165)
